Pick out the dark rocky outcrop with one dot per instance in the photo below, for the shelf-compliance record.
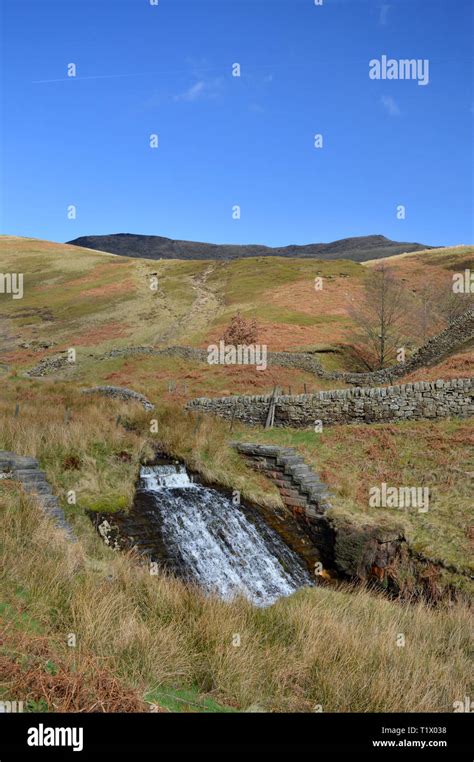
(358, 249)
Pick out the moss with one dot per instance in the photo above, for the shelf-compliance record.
(110, 503)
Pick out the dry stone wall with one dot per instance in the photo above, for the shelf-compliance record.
(422, 399)
(459, 332)
(122, 393)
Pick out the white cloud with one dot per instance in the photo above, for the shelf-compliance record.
(390, 105)
(201, 90)
(193, 93)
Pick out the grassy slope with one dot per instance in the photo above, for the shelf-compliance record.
(451, 257)
(139, 636)
(78, 298)
(95, 302)
(99, 460)
(83, 292)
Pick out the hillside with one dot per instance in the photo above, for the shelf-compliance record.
(150, 636)
(356, 249)
(97, 302)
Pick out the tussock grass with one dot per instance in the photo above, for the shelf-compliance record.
(331, 647)
(98, 451)
(79, 442)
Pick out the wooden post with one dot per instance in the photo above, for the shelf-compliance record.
(271, 410)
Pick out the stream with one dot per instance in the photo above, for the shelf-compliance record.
(225, 548)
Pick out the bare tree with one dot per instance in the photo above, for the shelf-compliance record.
(451, 305)
(425, 316)
(437, 305)
(380, 318)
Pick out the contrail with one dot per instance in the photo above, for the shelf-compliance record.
(98, 76)
(115, 76)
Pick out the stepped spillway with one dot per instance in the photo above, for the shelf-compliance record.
(223, 547)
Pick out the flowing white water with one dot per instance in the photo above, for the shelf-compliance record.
(216, 544)
(168, 476)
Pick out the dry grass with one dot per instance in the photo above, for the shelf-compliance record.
(89, 454)
(97, 452)
(337, 648)
(33, 667)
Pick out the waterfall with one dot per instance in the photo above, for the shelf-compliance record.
(225, 548)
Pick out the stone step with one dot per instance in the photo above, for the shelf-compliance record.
(29, 473)
(309, 481)
(296, 480)
(49, 501)
(298, 471)
(44, 490)
(297, 502)
(35, 486)
(21, 462)
(288, 460)
(312, 489)
(313, 512)
(320, 497)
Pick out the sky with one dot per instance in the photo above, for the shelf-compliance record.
(76, 154)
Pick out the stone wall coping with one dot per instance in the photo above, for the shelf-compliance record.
(367, 391)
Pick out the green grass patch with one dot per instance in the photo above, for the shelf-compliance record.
(185, 700)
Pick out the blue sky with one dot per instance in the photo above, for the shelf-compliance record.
(247, 140)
